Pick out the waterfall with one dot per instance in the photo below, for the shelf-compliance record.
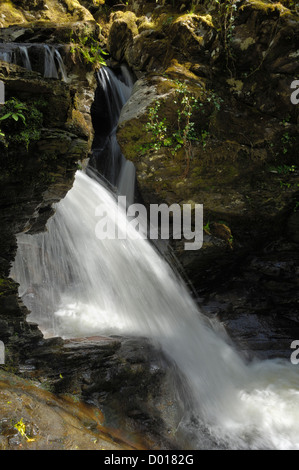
(50, 68)
(25, 57)
(111, 95)
(53, 65)
(6, 56)
(77, 284)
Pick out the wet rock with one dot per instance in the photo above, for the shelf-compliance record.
(125, 378)
(18, 12)
(121, 34)
(230, 173)
(194, 35)
(31, 181)
(149, 51)
(258, 302)
(32, 418)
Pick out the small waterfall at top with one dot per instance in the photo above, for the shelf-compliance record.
(76, 284)
(25, 57)
(107, 158)
(20, 54)
(50, 68)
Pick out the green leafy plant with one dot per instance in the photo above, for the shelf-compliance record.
(225, 18)
(181, 133)
(21, 122)
(287, 142)
(283, 169)
(207, 228)
(157, 127)
(87, 49)
(16, 112)
(184, 132)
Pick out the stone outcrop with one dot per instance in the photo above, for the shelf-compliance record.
(243, 164)
(243, 159)
(32, 179)
(124, 379)
(57, 11)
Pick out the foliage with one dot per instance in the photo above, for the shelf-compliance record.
(283, 169)
(88, 50)
(225, 18)
(20, 122)
(16, 113)
(182, 133)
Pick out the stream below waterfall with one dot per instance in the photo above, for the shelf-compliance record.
(78, 285)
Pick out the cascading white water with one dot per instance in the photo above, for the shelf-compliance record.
(25, 57)
(50, 68)
(61, 66)
(6, 56)
(114, 94)
(20, 54)
(126, 181)
(90, 286)
(76, 284)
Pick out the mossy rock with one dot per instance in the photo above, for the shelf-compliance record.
(17, 12)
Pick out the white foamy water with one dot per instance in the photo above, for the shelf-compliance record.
(78, 285)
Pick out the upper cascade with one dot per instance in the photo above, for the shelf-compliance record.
(113, 91)
(43, 58)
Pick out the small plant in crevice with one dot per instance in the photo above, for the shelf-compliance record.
(87, 50)
(225, 17)
(287, 142)
(283, 169)
(16, 111)
(182, 132)
(21, 122)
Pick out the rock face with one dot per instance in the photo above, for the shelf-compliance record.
(17, 11)
(32, 418)
(33, 178)
(240, 158)
(125, 378)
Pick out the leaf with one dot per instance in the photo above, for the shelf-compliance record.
(5, 116)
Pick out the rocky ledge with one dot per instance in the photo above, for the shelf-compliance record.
(114, 390)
